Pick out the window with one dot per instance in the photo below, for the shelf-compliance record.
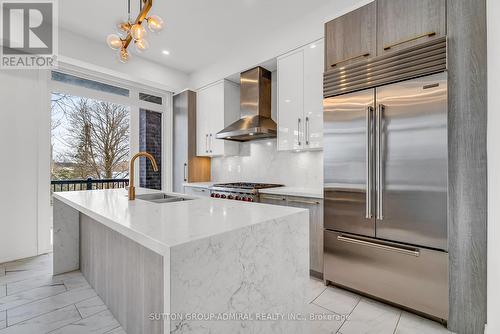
(150, 140)
(90, 140)
(150, 98)
(91, 84)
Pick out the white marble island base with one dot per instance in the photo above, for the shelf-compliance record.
(229, 281)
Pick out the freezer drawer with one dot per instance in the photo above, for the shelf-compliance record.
(416, 278)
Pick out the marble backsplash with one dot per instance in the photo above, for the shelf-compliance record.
(259, 161)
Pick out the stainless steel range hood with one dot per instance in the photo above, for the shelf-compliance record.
(255, 105)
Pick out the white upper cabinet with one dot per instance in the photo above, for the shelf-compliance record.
(218, 105)
(300, 98)
(290, 100)
(313, 95)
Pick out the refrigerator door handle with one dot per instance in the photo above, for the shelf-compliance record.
(298, 132)
(185, 167)
(360, 242)
(369, 163)
(379, 163)
(307, 131)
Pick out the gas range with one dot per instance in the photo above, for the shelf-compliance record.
(240, 191)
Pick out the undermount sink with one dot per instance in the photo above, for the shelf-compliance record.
(162, 198)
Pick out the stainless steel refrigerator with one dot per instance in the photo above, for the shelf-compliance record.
(385, 205)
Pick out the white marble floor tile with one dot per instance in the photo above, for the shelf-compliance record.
(41, 280)
(46, 305)
(3, 291)
(29, 296)
(101, 322)
(315, 288)
(412, 324)
(34, 263)
(90, 306)
(46, 322)
(322, 321)
(3, 319)
(76, 282)
(337, 300)
(371, 317)
(118, 330)
(16, 276)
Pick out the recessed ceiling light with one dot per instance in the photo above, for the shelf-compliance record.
(166, 52)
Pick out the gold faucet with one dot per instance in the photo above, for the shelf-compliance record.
(131, 188)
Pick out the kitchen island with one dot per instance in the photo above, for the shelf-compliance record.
(200, 265)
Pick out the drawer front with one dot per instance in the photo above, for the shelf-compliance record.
(416, 278)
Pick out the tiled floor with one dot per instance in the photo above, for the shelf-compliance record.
(33, 301)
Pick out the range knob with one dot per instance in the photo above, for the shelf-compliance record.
(238, 198)
(212, 195)
(250, 199)
(223, 196)
(217, 195)
(230, 197)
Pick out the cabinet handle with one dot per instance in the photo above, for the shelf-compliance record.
(428, 34)
(351, 58)
(274, 198)
(298, 132)
(206, 143)
(307, 130)
(412, 252)
(300, 201)
(210, 143)
(185, 173)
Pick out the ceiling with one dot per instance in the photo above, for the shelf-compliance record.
(197, 32)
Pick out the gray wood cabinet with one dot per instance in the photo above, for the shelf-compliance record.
(315, 207)
(351, 37)
(403, 23)
(381, 27)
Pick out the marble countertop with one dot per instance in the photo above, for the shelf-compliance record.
(198, 184)
(294, 191)
(161, 226)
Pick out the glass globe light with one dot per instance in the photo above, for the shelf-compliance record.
(141, 44)
(137, 31)
(124, 56)
(114, 41)
(155, 23)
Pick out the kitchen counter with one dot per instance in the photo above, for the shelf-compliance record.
(198, 256)
(294, 191)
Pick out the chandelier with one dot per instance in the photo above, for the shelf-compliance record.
(134, 31)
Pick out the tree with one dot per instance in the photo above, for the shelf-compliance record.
(97, 137)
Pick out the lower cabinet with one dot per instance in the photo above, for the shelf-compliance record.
(197, 191)
(315, 207)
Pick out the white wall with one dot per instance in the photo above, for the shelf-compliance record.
(260, 162)
(248, 52)
(493, 12)
(19, 112)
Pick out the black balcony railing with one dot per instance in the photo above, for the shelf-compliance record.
(88, 184)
